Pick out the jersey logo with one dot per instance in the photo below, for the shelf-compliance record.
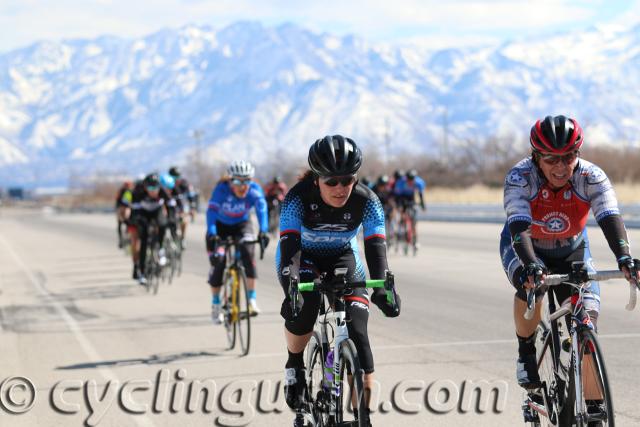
(545, 194)
(555, 223)
(567, 195)
(347, 216)
(313, 207)
(330, 227)
(310, 237)
(514, 178)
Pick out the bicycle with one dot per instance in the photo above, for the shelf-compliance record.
(573, 367)
(274, 215)
(153, 269)
(406, 229)
(235, 304)
(324, 392)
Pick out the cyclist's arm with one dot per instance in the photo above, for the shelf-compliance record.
(420, 184)
(212, 211)
(290, 240)
(605, 209)
(260, 205)
(375, 248)
(516, 205)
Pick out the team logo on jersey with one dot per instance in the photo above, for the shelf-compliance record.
(313, 207)
(567, 195)
(347, 216)
(330, 227)
(545, 194)
(514, 178)
(555, 223)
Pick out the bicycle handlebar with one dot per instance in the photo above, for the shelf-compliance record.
(578, 275)
(230, 241)
(337, 284)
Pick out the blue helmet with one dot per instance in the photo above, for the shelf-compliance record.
(167, 181)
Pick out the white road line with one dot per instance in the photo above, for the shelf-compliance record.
(73, 326)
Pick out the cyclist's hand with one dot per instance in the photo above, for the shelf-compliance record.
(631, 268)
(379, 298)
(212, 240)
(531, 274)
(264, 239)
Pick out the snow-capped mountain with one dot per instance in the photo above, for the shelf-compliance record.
(265, 94)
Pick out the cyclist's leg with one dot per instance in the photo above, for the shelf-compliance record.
(135, 246)
(143, 234)
(298, 331)
(527, 372)
(247, 252)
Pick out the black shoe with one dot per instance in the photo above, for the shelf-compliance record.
(294, 386)
(597, 410)
(136, 272)
(527, 372)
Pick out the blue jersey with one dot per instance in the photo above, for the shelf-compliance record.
(228, 209)
(405, 188)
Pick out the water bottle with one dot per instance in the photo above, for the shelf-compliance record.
(328, 371)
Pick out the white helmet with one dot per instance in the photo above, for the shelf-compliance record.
(241, 169)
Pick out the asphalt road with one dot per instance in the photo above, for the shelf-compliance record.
(98, 350)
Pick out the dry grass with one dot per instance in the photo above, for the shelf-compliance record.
(627, 193)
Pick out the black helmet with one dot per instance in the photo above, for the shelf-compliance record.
(335, 156)
(151, 180)
(383, 180)
(412, 174)
(399, 173)
(174, 171)
(556, 135)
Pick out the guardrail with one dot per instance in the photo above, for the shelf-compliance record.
(494, 213)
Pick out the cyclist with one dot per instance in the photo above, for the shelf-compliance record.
(274, 193)
(321, 216)
(547, 198)
(168, 184)
(186, 199)
(383, 191)
(228, 216)
(123, 208)
(148, 205)
(404, 197)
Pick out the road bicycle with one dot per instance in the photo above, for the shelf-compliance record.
(406, 230)
(334, 379)
(575, 388)
(153, 267)
(235, 303)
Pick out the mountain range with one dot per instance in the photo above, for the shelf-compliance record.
(77, 107)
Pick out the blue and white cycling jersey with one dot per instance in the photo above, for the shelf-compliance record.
(405, 188)
(226, 208)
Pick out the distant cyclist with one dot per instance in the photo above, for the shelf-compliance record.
(547, 199)
(149, 205)
(321, 217)
(123, 208)
(186, 199)
(168, 184)
(228, 216)
(405, 190)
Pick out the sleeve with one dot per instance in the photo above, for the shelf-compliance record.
(260, 205)
(600, 193)
(291, 216)
(518, 211)
(213, 209)
(375, 247)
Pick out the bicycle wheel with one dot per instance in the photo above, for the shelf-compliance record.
(318, 390)
(594, 385)
(546, 370)
(230, 320)
(351, 397)
(244, 316)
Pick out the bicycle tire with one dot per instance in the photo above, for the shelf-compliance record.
(546, 371)
(244, 316)
(229, 322)
(588, 341)
(318, 395)
(350, 364)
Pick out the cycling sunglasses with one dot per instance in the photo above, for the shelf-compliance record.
(552, 160)
(239, 182)
(345, 181)
(152, 188)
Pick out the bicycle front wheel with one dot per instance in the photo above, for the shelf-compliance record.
(244, 316)
(595, 394)
(319, 382)
(353, 397)
(230, 318)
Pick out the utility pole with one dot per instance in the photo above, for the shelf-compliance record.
(198, 135)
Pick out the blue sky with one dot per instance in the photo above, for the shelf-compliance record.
(432, 22)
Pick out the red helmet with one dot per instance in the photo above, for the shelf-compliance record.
(556, 135)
